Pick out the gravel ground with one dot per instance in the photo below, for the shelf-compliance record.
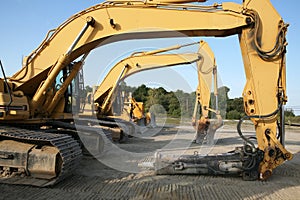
(120, 178)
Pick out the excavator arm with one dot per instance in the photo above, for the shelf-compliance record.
(207, 74)
(261, 30)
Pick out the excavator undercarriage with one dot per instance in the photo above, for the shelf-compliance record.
(35, 157)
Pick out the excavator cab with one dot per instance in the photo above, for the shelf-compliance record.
(74, 96)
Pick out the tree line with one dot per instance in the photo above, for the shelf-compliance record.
(179, 103)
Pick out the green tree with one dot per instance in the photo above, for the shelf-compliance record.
(174, 109)
(127, 89)
(179, 103)
(233, 114)
(156, 97)
(141, 93)
(186, 103)
(236, 105)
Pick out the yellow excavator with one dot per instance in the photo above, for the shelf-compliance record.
(33, 152)
(128, 109)
(142, 61)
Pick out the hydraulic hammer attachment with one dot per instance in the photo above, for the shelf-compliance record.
(240, 162)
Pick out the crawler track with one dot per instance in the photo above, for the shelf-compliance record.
(68, 149)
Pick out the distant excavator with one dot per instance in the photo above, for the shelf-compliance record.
(142, 61)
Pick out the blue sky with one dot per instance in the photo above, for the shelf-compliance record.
(24, 24)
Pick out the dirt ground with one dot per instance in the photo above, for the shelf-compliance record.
(121, 178)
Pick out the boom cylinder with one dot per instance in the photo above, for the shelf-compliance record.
(58, 66)
(105, 106)
(41, 92)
